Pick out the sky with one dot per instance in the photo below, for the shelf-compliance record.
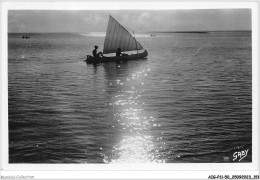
(83, 21)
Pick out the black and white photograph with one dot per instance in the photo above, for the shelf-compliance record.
(130, 86)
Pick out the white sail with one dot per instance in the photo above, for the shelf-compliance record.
(118, 37)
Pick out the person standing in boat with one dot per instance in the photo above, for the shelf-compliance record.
(95, 54)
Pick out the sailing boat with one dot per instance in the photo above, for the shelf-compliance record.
(118, 37)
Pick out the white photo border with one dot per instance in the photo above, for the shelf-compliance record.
(146, 171)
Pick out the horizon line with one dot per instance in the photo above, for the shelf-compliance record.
(166, 31)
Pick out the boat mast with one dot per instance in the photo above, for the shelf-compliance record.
(135, 43)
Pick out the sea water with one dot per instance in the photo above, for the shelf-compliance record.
(189, 101)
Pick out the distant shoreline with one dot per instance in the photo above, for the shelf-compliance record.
(199, 32)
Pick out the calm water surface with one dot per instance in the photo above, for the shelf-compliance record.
(189, 101)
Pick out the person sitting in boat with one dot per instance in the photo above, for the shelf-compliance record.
(119, 53)
(95, 54)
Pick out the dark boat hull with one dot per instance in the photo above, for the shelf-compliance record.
(92, 60)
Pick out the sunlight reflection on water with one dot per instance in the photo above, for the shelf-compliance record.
(136, 143)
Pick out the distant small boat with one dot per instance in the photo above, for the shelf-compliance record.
(118, 37)
(26, 36)
(153, 35)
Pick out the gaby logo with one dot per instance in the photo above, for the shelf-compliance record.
(239, 155)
